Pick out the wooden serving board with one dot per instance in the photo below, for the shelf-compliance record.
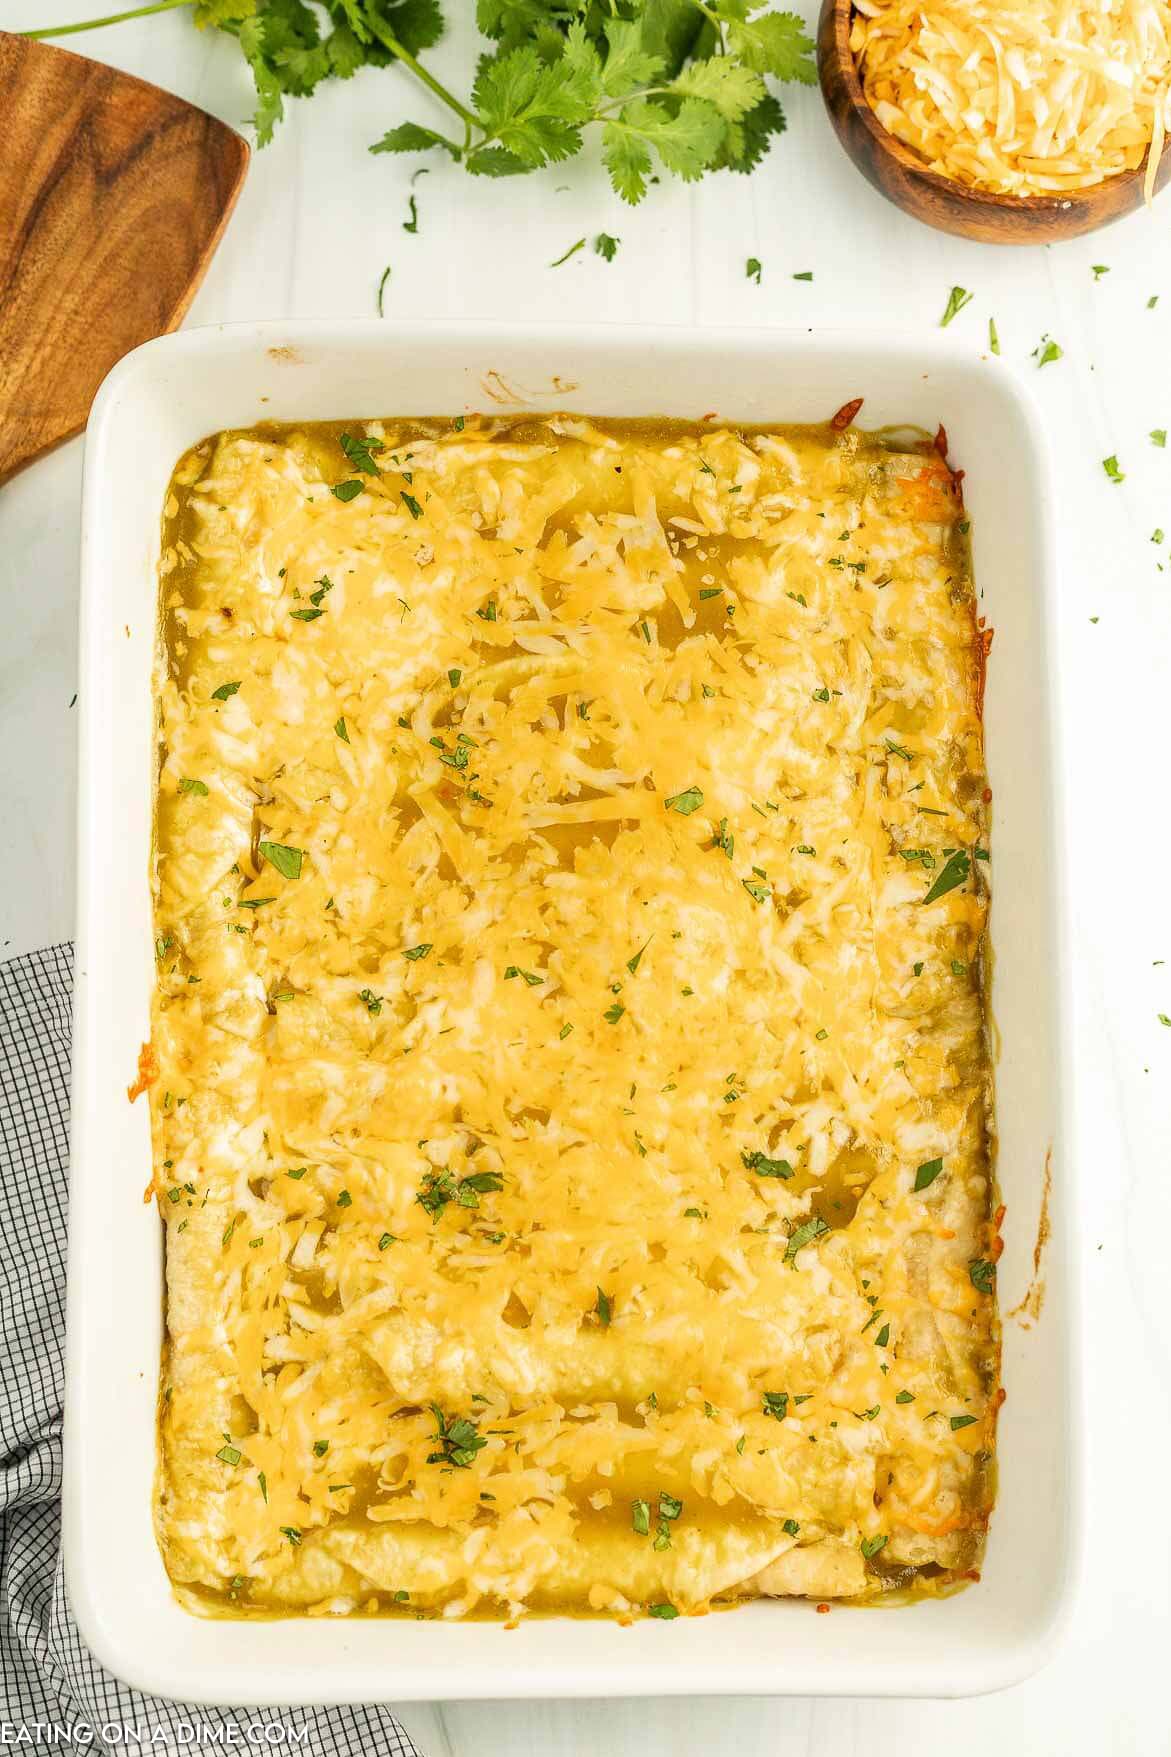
(113, 197)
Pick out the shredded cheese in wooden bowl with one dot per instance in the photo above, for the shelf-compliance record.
(1022, 97)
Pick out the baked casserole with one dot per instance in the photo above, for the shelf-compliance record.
(572, 1120)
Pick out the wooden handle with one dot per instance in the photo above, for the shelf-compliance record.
(113, 197)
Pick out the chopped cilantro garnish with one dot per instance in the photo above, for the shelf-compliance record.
(287, 861)
(870, 1546)
(565, 256)
(927, 1173)
(603, 1308)
(223, 693)
(345, 491)
(805, 1234)
(458, 1438)
(686, 802)
(753, 269)
(441, 1187)
(982, 1274)
(955, 871)
(956, 300)
(632, 964)
(763, 1166)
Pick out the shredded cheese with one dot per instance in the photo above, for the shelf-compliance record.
(1023, 97)
(569, 915)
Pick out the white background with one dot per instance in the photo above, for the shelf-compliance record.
(317, 223)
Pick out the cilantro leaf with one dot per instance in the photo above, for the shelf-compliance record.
(627, 160)
(765, 1167)
(360, 452)
(531, 109)
(775, 43)
(927, 1173)
(805, 1234)
(982, 1275)
(409, 137)
(458, 1439)
(732, 87)
(748, 140)
(630, 62)
(287, 861)
(955, 871)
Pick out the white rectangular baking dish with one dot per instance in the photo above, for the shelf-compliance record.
(157, 402)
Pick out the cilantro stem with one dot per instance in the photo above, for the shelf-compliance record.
(389, 41)
(93, 24)
(716, 22)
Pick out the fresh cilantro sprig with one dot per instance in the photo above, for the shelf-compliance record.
(671, 85)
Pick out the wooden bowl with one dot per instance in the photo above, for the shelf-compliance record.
(900, 175)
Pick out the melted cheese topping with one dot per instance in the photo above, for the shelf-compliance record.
(1024, 97)
(572, 1116)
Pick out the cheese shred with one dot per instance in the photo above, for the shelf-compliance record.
(1021, 97)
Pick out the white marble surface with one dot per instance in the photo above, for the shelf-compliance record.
(317, 223)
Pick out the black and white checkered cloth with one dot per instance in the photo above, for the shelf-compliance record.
(47, 1678)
